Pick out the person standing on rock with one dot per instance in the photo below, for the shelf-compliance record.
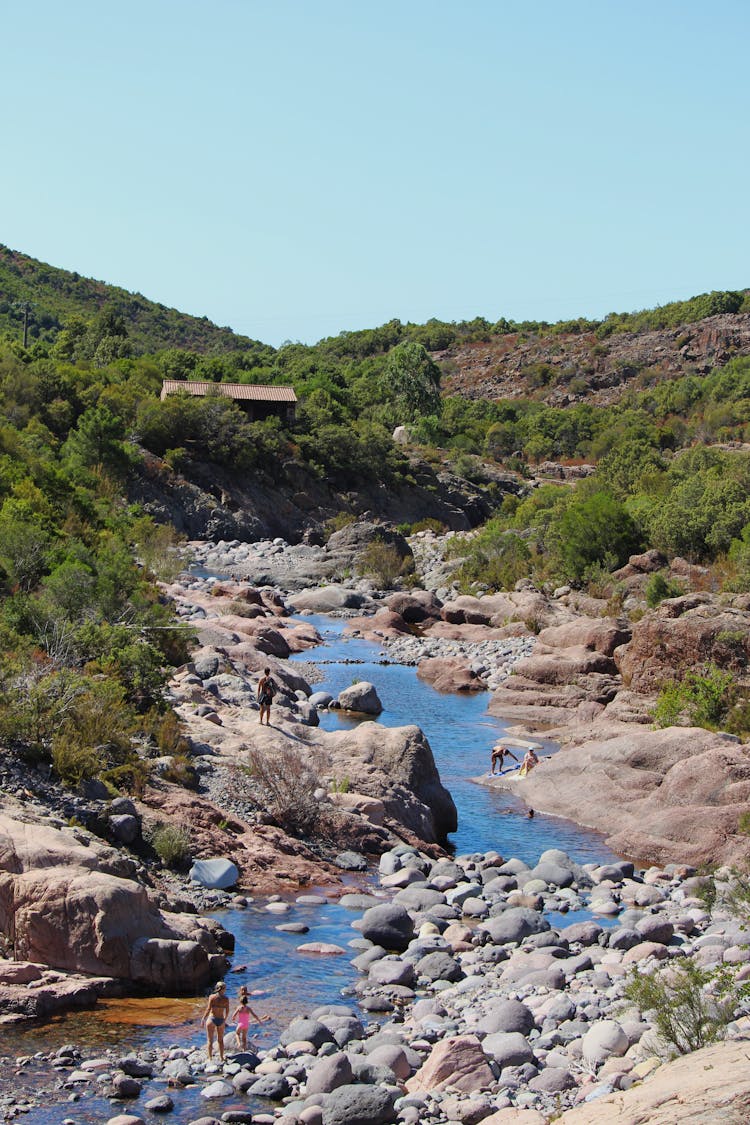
(266, 692)
(215, 1018)
(499, 754)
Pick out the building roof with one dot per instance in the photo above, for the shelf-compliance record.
(247, 392)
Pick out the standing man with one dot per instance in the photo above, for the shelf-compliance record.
(266, 692)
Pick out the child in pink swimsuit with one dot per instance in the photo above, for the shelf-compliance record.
(242, 1014)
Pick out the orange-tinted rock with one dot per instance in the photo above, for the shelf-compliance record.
(458, 1062)
(449, 674)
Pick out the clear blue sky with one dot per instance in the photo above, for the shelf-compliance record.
(294, 168)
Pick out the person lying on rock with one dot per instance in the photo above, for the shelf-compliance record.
(266, 692)
(499, 754)
(242, 1014)
(215, 1018)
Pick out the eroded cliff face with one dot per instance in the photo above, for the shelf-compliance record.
(600, 371)
(209, 502)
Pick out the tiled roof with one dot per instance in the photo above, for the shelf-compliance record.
(249, 392)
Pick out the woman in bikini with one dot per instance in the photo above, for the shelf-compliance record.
(215, 1017)
(242, 1014)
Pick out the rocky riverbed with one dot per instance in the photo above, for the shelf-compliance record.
(483, 991)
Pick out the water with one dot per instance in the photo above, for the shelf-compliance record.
(284, 981)
(461, 734)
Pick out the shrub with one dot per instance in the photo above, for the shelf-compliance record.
(691, 1007)
(171, 843)
(382, 562)
(286, 782)
(660, 586)
(702, 700)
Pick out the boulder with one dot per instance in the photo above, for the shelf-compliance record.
(450, 674)
(604, 1039)
(214, 873)
(515, 924)
(67, 909)
(458, 1062)
(508, 1048)
(506, 1016)
(388, 925)
(361, 697)
(359, 1105)
(329, 1073)
(308, 1031)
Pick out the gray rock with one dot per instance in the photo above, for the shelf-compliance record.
(655, 927)
(308, 1031)
(506, 1016)
(362, 698)
(508, 1049)
(440, 966)
(622, 937)
(394, 970)
(135, 1067)
(216, 874)
(351, 861)
(585, 933)
(603, 1039)
(125, 829)
(552, 1080)
(552, 873)
(271, 1086)
(218, 1089)
(514, 924)
(419, 897)
(329, 1073)
(206, 666)
(395, 1057)
(359, 1105)
(388, 925)
(320, 698)
(123, 1086)
(162, 1103)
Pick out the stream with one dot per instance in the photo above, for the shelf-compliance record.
(285, 982)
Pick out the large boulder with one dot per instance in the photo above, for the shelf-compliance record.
(388, 925)
(361, 697)
(359, 1105)
(395, 765)
(458, 1062)
(515, 924)
(61, 905)
(673, 794)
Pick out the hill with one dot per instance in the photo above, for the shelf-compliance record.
(58, 296)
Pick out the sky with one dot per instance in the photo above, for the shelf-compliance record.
(298, 168)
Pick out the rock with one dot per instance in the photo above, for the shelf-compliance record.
(93, 921)
(515, 924)
(131, 1119)
(389, 971)
(507, 1016)
(394, 1057)
(552, 1080)
(320, 699)
(275, 1087)
(655, 927)
(358, 1105)
(126, 829)
(351, 861)
(450, 674)
(325, 599)
(440, 966)
(361, 697)
(214, 873)
(603, 1039)
(457, 1061)
(218, 1089)
(508, 1048)
(308, 1031)
(162, 1103)
(388, 925)
(329, 1073)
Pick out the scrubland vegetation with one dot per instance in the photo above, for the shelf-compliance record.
(85, 641)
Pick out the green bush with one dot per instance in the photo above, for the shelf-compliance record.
(172, 844)
(702, 699)
(660, 586)
(383, 563)
(690, 1006)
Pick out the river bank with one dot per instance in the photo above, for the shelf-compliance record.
(486, 962)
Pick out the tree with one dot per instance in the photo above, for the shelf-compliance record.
(592, 529)
(97, 439)
(412, 378)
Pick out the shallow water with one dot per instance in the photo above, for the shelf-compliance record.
(284, 981)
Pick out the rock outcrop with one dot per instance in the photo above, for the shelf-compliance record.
(76, 907)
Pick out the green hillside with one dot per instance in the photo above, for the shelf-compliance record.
(56, 297)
